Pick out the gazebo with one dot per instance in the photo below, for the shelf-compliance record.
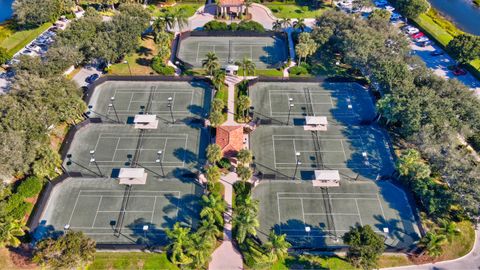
(230, 6)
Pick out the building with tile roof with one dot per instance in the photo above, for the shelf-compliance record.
(230, 139)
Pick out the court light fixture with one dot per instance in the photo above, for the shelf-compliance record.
(308, 229)
(297, 154)
(112, 98)
(92, 152)
(66, 227)
(92, 160)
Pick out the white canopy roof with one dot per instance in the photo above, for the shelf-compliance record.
(144, 118)
(132, 176)
(333, 175)
(231, 68)
(316, 120)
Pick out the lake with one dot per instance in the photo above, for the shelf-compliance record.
(5, 9)
(463, 13)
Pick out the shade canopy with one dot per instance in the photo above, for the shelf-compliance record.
(326, 178)
(316, 120)
(145, 121)
(132, 176)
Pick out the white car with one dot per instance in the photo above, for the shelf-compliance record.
(411, 30)
(421, 39)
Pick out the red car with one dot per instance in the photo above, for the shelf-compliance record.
(459, 72)
(417, 35)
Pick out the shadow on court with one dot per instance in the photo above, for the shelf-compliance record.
(298, 236)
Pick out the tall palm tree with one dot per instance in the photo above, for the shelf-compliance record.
(9, 231)
(449, 229)
(277, 26)
(218, 78)
(244, 156)
(243, 103)
(213, 207)
(247, 65)
(209, 230)
(213, 174)
(286, 22)
(217, 105)
(179, 243)
(277, 245)
(244, 173)
(245, 225)
(210, 63)
(432, 243)
(247, 206)
(214, 153)
(300, 25)
(247, 4)
(181, 18)
(199, 250)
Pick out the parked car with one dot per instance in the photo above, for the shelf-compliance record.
(459, 72)
(410, 30)
(425, 43)
(91, 78)
(421, 39)
(437, 53)
(389, 8)
(417, 35)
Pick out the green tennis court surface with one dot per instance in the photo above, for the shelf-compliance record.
(291, 207)
(126, 99)
(114, 146)
(265, 52)
(93, 206)
(345, 103)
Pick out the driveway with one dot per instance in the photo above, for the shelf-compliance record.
(86, 71)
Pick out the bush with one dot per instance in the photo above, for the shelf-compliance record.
(215, 26)
(298, 70)
(224, 163)
(215, 188)
(29, 187)
(21, 210)
(250, 26)
(242, 26)
(161, 68)
(474, 141)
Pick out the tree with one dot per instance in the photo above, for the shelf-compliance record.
(214, 153)
(360, 4)
(245, 225)
(218, 78)
(4, 56)
(217, 105)
(30, 13)
(286, 22)
(277, 246)
(216, 118)
(277, 26)
(213, 207)
(247, 206)
(244, 156)
(412, 8)
(180, 242)
(464, 48)
(243, 103)
(245, 173)
(210, 63)
(46, 163)
(208, 230)
(199, 250)
(247, 65)
(10, 229)
(69, 251)
(410, 164)
(247, 4)
(306, 46)
(449, 229)
(433, 243)
(300, 25)
(213, 174)
(365, 246)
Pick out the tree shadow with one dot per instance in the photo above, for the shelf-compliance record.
(275, 54)
(188, 210)
(151, 236)
(297, 235)
(185, 155)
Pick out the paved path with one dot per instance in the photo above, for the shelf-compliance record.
(86, 71)
(470, 261)
(231, 81)
(226, 256)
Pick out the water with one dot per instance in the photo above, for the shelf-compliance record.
(463, 13)
(5, 10)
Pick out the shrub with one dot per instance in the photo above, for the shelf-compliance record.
(474, 141)
(298, 70)
(250, 26)
(215, 26)
(233, 26)
(30, 187)
(242, 26)
(224, 163)
(21, 210)
(161, 68)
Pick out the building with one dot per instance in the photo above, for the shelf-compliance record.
(230, 139)
(226, 7)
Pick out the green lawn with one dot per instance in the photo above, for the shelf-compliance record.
(264, 72)
(131, 260)
(461, 244)
(138, 62)
(19, 39)
(190, 8)
(283, 10)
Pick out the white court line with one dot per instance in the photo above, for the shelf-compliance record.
(153, 210)
(333, 214)
(353, 193)
(365, 199)
(74, 206)
(198, 51)
(343, 150)
(126, 211)
(130, 102)
(358, 210)
(381, 207)
(116, 148)
(96, 213)
(303, 211)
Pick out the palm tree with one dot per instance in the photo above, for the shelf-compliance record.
(248, 4)
(243, 103)
(217, 105)
(181, 18)
(213, 207)
(209, 230)
(244, 173)
(213, 174)
(210, 63)
(199, 250)
(449, 229)
(218, 78)
(9, 231)
(286, 22)
(247, 65)
(244, 156)
(300, 25)
(277, 26)
(214, 153)
(179, 243)
(432, 243)
(277, 245)
(247, 206)
(216, 118)
(245, 225)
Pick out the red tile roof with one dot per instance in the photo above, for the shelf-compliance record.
(230, 139)
(231, 2)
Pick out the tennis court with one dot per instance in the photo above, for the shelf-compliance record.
(99, 150)
(115, 101)
(344, 103)
(318, 217)
(264, 51)
(94, 206)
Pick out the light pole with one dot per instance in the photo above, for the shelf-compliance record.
(297, 155)
(170, 105)
(290, 106)
(145, 229)
(92, 160)
(159, 161)
(111, 105)
(128, 64)
(90, 110)
(308, 229)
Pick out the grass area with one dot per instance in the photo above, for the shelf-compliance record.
(139, 62)
(131, 260)
(443, 30)
(283, 10)
(393, 261)
(14, 41)
(189, 8)
(264, 72)
(313, 262)
(461, 244)
(223, 95)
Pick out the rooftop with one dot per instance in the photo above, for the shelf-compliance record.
(230, 139)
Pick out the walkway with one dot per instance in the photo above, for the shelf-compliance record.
(226, 256)
(231, 81)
